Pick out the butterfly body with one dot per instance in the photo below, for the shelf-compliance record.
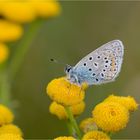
(100, 66)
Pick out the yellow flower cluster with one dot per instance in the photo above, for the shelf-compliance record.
(10, 136)
(95, 135)
(60, 112)
(16, 12)
(8, 131)
(9, 31)
(109, 116)
(28, 10)
(88, 124)
(65, 138)
(92, 135)
(129, 102)
(46, 9)
(6, 116)
(113, 113)
(4, 52)
(65, 93)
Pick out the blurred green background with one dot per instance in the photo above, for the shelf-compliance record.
(82, 27)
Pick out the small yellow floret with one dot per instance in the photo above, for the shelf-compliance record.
(10, 136)
(95, 135)
(4, 53)
(129, 102)
(110, 116)
(65, 138)
(10, 128)
(46, 8)
(77, 109)
(88, 124)
(18, 11)
(9, 31)
(60, 112)
(65, 93)
(6, 116)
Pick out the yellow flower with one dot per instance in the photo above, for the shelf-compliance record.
(60, 112)
(88, 124)
(65, 138)
(10, 128)
(18, 11)
(46, 8)
(95, 135)
(77, 109)
(65, 93)
(129, 102)
(9, 31)
(110, 116)
(10, 136)
(4, 53)
(6, 116)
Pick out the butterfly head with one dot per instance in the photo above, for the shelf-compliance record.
(71, 75)
(68, 69)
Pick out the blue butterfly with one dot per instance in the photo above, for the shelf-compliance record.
(100, 66)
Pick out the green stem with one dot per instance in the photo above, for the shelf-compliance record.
(4, 89)
(73, 122)
(70, 127)
(23, 47)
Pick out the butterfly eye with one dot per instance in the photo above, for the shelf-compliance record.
(68, 69)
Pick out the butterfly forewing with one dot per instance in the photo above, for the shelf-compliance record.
(102, 65)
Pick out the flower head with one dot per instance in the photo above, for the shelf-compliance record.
(60, 112)
(10, 136)
(88, 124)
(9, 31)
(4, 53)
(77, 109)
(46, 8)
(65, 93)
(10, 128)
(18, 11)
(96, 135)
(129, 102)
(6, 116)
(110, 116)
(65, 138)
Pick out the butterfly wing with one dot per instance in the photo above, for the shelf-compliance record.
(102, 65)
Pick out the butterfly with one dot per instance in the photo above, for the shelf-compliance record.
(100, 66)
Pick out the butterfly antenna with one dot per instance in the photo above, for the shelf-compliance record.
(58, 62)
